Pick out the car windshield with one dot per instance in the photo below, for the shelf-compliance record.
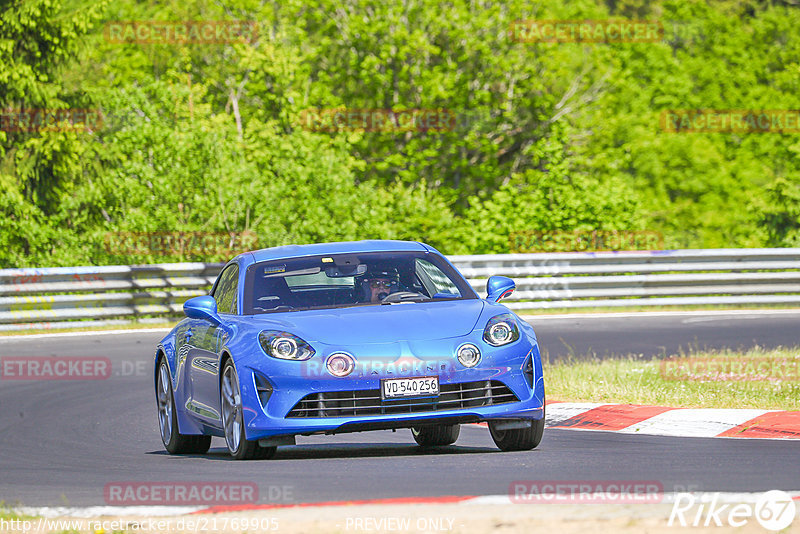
(342, 280)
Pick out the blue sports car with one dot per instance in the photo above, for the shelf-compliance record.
(346, 337)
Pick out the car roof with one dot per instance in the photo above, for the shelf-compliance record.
(346, 247)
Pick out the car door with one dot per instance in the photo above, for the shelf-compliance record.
(208, 340)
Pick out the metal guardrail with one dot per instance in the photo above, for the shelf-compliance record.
(57, 297)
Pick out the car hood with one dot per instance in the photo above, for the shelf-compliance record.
(380, 324)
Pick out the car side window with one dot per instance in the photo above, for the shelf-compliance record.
(227, 290)
(434, 279)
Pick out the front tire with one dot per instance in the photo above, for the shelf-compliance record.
(174, 441)
(435, 435)
(233, 420)
(518, 439)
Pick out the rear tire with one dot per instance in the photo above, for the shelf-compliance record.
(518, 439)
(174, 441)
(233, 423)
(435, 435)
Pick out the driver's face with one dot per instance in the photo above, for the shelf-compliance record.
(379, 289)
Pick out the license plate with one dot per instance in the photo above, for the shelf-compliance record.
(425, 386)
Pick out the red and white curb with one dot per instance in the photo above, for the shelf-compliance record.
(679, 422)
(471, 500)
(543, 498)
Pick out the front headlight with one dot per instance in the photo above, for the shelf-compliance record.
(501, 330)
(284, 346)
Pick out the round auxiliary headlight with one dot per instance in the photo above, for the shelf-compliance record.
(501, 333)
(340, 364)
(284, 347)
(469, 355)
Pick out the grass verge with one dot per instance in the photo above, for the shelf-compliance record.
(758, 378)
(7, 514)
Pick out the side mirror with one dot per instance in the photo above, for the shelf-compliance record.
(204, 307)
(499, 287)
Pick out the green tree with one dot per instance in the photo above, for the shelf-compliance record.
(37, 167)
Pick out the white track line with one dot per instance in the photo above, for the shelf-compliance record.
(628, 315)
(559, 412)
(28, 337)
(50, 512)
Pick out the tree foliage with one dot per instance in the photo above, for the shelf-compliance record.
(548, 136)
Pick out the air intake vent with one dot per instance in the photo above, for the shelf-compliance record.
(529, 371)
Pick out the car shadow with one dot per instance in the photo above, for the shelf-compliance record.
(345, 450)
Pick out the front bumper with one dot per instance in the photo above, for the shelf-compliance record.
(272, 418)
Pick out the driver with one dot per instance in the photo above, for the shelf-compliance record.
(378, 285)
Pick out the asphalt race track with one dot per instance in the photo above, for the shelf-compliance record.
(63, 441)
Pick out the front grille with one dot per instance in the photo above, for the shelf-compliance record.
(368, 402)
